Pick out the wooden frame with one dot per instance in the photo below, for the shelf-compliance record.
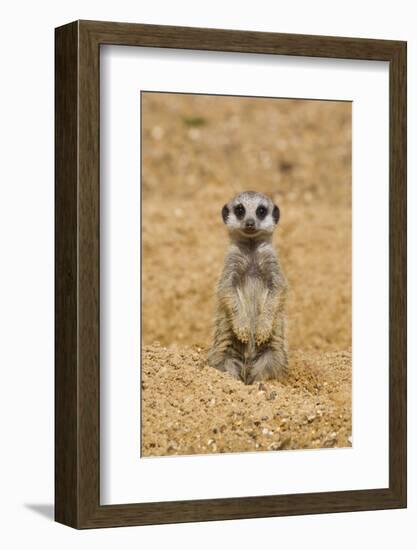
(77, 274)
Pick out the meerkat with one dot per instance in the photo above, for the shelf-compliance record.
(250, 340)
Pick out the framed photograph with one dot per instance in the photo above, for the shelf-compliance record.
(230, 274)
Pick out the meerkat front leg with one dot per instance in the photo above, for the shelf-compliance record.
(265, 318)
(271, 305)
(235, 306)
(240, 319)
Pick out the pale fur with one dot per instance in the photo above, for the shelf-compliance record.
(250, 341)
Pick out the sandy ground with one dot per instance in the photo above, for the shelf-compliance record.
(197, 152)
(191, 408)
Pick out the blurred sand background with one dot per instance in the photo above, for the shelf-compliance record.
(198, 151)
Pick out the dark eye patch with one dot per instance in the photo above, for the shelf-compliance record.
(225, 213)
(239, 211)
(261, 211)
(275, 213)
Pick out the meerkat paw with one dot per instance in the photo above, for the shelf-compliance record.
(263, 332)
(242, 332)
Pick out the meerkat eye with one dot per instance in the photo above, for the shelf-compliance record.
(261, 211)
(239, 211)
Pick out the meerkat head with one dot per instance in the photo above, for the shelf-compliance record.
(250, 215)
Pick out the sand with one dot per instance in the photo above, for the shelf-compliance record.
(190, 408)
(197, 152)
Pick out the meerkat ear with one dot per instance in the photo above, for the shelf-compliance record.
(275, 213)
(225, 213)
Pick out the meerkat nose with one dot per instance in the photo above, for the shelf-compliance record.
(250, 222)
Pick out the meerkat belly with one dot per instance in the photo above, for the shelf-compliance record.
(252, 295)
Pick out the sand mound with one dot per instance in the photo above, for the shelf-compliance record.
(190, 408)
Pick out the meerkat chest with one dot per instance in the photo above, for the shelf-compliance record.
(256, 266)
(254, 284)
(253, 268)
(254, 275)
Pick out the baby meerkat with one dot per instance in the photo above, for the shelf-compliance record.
(250, 341)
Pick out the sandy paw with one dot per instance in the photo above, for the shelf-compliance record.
(263, 334)
(241, 330)
(242, 333)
